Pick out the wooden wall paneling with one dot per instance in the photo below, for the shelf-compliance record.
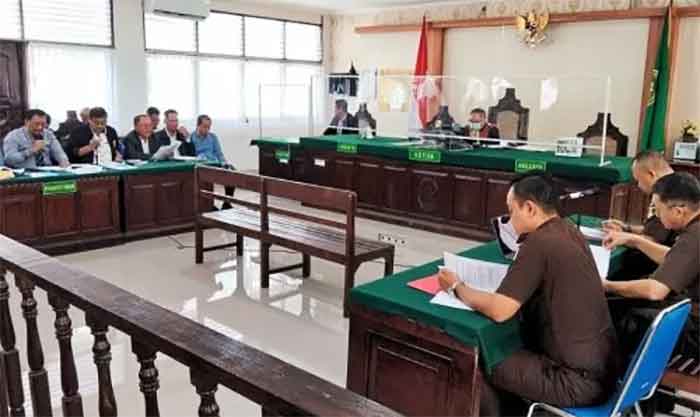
(368, 182)
(496, 192)
(169, 200)
(60, 213)
(432, 192)
(469, 204)
(98, 205)
(396, 187)
(140, 202)
(319, 168)
(344, 173)
(298, 162)
(637, 205)
(555, 18)
(21, 206)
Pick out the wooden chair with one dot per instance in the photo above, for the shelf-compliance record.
(616, 143)
(331, 240)
(511, 118)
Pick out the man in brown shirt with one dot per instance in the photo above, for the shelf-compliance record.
(649, 242)
(677, 201)
(569, 357)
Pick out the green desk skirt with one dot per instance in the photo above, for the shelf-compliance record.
(619, 169)
(495, 341)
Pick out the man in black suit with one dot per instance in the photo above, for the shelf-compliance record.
(342, 122)
(95, 142)
(140, 143)
(173, 132)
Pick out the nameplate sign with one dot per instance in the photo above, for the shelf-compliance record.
(425, 155)
(525, 165)
(60, 187)
(347, 147)
(282, 156)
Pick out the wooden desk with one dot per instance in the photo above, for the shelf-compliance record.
(101, 210)
(62, 222)
(457, 195)
(691, 167)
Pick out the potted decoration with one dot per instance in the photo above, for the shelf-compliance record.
(690, 131)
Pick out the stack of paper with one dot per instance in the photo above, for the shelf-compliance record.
(602, 260)
(480, 275)
(592, 233)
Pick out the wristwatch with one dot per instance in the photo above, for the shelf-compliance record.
(453, 287)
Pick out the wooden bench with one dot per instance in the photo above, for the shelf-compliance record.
(311, 236)
(683, 374)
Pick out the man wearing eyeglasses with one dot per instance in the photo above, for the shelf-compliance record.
(677, 201)
(95, 142)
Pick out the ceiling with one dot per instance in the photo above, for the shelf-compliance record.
(349, 6)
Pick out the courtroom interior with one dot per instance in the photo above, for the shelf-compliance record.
(350, 208)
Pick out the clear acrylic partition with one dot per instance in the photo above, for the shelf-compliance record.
(435, 111)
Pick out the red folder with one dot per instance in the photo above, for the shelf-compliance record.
(430, 284)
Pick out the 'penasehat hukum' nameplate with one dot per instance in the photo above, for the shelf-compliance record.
(59, 187)
(425, 155)
(525, 165)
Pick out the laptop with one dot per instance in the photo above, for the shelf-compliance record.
(506, 236)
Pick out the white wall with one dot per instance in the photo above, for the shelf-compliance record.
(685, 104)
(577, 62)
(131, 80)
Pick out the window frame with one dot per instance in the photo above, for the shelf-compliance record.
(23, 37)
(243, 55)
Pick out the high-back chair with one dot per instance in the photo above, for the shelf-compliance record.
(643, 373)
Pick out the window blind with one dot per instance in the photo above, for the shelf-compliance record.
(168, 33)
(303, 42)
(221, 34)
(264, 38)
(10, 21)
(71, 21)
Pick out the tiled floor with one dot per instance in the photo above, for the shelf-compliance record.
(299, 322)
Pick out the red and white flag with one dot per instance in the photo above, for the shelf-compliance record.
(424, 87)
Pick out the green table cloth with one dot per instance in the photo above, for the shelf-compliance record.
(496, 341)
(148, 168)
(586, 167)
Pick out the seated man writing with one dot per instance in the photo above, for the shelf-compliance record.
(569, 358)
(677, 201)
(651, 241)
(33, 145)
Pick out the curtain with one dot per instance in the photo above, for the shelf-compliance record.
(65, 78)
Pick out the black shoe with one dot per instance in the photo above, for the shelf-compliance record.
(226, 206)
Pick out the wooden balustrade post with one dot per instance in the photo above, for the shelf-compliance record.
(148, 376)
(101, 351)
(72, 401)
(13, 370)
(206, 388)
(38, 377)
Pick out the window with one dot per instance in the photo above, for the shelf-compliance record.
(171, 83)
(212, 42)
(170, 33)
(226, 34)
(10, 20)
(264, 38)
(262, 80)
(86, 22)
(303, 42)
(220, 86)
(55, 86)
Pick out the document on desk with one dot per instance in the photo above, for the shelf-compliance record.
(166, 152)
(480, 275)
(602, 260)
(592, 233)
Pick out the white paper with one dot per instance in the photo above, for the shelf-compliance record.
(116, 165)
(166, 152)
(444, 299)
(480, 275)
(84, 169)
(602, 260)
(186, 158)
(508, 236)
(592, 233)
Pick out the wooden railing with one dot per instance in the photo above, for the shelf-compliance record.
(212, 358)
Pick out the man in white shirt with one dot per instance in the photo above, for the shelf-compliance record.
(140, 143)
(175, 133)
(96, 142)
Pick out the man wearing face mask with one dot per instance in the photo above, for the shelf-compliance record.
(33, 145)
(95, 142)
(479, 127)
